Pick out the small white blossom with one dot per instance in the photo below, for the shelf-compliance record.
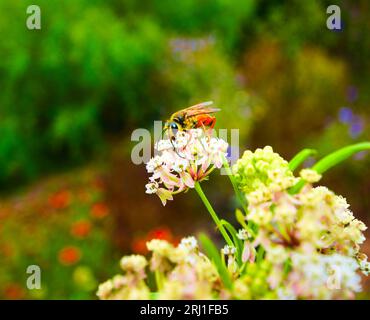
(154, 163)
(243, 234)
(228, 250)
(162, 145)
(189, 243)
(151, 187)
(310, 175)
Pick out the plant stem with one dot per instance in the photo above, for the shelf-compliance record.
(158, 279)
(213, 214)
(242, 200)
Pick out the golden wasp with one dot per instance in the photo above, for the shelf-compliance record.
(197, 116)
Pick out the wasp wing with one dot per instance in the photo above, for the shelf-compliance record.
(198, 109)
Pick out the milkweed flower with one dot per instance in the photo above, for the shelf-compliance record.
(294, 243)
(318, 276)
(261, 174)
(229, 253)
(133, 263)
(312, 233)
(186, 273)
(189, 158)
(310, 175)
(131, 285)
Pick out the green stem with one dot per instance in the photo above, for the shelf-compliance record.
(300, 157)
(158, 279)
(213, 214)
(242, 200)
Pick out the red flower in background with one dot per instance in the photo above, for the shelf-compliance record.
(60, 199)
(163, 233)
(81, 229)
(6, 250)
(99, 210)
(14, 291)
(69, 255)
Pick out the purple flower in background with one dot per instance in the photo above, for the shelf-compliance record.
(345, 115)
(361, 155)
(229, 153)
(357, 127)
(309, 162)
(352, 93)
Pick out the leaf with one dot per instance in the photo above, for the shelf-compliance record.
(260, 254)
(237, 242)
(300, 157)
(153, 295)
(214, 255)
(241, 219)
(340, 155)
(332, 160)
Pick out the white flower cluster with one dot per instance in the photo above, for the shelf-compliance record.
(293, 244)
(261, 173)
(131, 285)
(318, 276)
(190, 157)
(313, 233)
(183, 273)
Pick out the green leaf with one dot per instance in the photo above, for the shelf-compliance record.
(260, 254)
(340, 155)
(332, 160)
(237, 242)
(300, 157)
(241, 198)
(153, 295)
(214, 255)
(241, 219)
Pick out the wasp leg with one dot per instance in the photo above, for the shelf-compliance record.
(174, 148)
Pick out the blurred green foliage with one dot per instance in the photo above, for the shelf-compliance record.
(95, 69)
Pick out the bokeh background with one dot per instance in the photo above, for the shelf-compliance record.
(72, 201)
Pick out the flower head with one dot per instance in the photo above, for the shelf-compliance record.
(133, 263)
(310, 175)
(261, 174)
(190, 157)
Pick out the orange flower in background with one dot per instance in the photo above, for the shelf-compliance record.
(69, 255)
(139, 246)
(60, 199)
(163, 233)
(14, 291)
(99, 210)
(81, 229)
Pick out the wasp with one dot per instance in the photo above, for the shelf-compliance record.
(197, 116)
